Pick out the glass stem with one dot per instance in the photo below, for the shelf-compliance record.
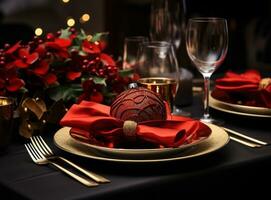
(206, 114)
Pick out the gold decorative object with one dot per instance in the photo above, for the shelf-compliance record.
(35, 115)
(165, 87)
(6, 121)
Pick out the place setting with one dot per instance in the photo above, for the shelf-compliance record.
(143, 125)
(246, 94)
(163, 138)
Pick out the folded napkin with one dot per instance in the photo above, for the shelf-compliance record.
(92, 122)
(248, 88)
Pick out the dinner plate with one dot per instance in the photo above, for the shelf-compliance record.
(138, 153)
(215, 141)
(251, 111)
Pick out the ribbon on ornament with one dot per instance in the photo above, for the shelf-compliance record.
(91, 122)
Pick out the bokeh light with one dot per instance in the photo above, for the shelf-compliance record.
(70, 22)
(38, 31)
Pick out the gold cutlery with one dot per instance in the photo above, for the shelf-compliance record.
(253, 145)
(244, 139)
(39, 159)
(47, 152)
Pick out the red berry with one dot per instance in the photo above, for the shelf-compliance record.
(93, 70)
(50, 36)
(72, 30)
(7, 45)
(58, 33)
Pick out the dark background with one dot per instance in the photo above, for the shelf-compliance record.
(249, 24)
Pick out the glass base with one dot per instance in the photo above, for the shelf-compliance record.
(211, 121)
(180, 112)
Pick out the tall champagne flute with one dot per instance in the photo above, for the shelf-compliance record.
(207, 45)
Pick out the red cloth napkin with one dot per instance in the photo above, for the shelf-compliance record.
(91, 122)
(249, 87)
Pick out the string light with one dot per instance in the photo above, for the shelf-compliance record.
(84, 18)
(38, 31)
(70, 22)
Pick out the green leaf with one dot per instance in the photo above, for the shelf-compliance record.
(98, 36)
(110, 95)
(82, 35)
(76, 43)
(82, 53)
(23, 90)
(65, 92)
(65, 33)
(57, 64)
(126, 72)
(99, 80)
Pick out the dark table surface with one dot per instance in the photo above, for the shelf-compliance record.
(231, 171)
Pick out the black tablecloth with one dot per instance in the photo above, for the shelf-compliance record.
(233, 169)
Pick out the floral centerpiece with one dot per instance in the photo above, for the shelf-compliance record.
(68, 66)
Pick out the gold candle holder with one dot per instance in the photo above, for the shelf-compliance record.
(6, 120)
(165, 87)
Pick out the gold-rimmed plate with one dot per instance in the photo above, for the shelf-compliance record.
(215, 141)
(251, 111)
(138, 153)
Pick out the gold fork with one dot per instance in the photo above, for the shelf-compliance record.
(47, 152)
(39, 159)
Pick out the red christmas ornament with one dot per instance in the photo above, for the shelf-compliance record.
(138, 104)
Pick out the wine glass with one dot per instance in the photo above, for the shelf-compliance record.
(207, 45)
(158, 69)
(130, 50)
(167, 21)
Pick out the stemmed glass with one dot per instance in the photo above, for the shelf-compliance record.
(130, 50)
(167, 21)
(207, 45)
(158, 69)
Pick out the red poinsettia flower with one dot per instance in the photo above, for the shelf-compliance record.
(107, 60)
(96, 97)
(14, 48)
(9, 81)
(90, 93)
(41, 68)
(25, 58)
(41, 50)
(72, 75)
(50, 78)
(90, 47)
(59, 42)
(59, 46)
